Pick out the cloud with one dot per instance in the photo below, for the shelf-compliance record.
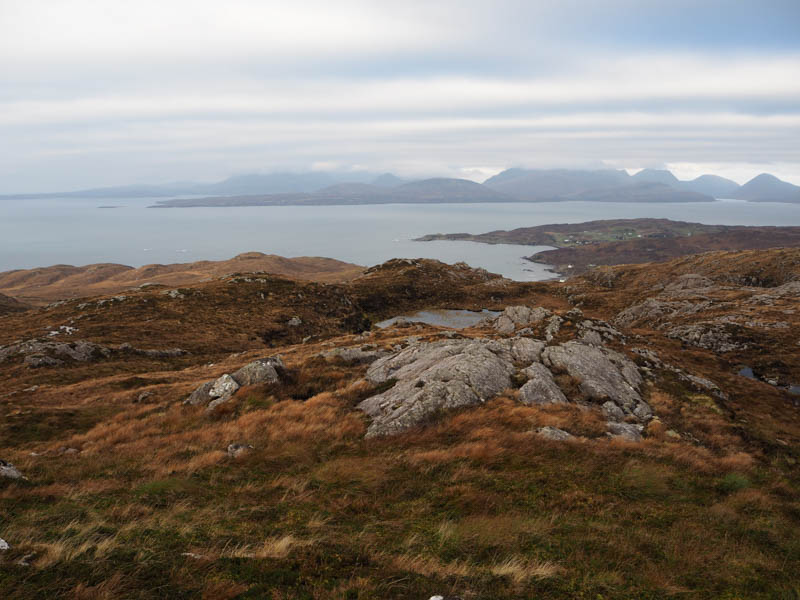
(201, 89)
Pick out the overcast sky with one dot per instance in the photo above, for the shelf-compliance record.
(106, 92)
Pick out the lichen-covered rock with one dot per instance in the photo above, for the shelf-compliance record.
(518, 316)
(655, 311)
(597, 332)
(435, 377)
(263, 370)
(553, 327)
(625, 431)
(540, 388)
(10, 471)
(357, 355)
(525, 350)
(553, 433)
(220, 390)
(717, 337)
(37, 361)
(201, 395)
(603, 373)
(236, 450)
(612, 412)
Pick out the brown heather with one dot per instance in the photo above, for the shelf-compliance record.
(475, 504)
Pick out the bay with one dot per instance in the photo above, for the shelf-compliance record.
(43, 232)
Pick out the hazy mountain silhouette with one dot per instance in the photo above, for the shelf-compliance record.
(657, 176)
(768, 188)
(554, 184)
(712, 185)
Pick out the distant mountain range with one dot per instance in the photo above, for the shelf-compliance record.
(646, 185)
(512, 185)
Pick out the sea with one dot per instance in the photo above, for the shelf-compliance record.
(74, 231)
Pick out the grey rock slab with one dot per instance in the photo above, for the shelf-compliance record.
(526, 350)
(603, 373)
(625, 431)
(540, 388)
(612, 412)
(432, 378)
(355, 355)
(553, 433)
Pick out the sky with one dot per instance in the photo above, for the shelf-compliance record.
(109, 92)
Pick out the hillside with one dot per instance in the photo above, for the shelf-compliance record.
(10, 305)
(581, 246)
(58, 282)
(768, 188)
(631, 433)
(427, 191)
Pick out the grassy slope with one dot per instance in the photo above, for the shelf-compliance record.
(473, 505)
(48, 284)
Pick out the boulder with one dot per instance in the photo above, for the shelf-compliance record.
(236, 450)
(435, 377)
(10, 471)
(201, 395)
(540, 388)
(220, 390)
(553, 433)
(4, 545)
(263, 370)
(625, 431)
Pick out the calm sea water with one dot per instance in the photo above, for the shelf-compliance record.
(74, 231)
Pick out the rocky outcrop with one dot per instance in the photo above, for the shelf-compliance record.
(435, 377)
(625, 431)
(357, 355)
(45, 353)
(655, 311)
(79, 351)
(514, 317)
(540, 388)
(220, 390)
(717, 337)
(603, 375)
(429, 378)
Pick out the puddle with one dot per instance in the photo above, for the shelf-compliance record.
(793, 389)
(455, 319)
(748, 372)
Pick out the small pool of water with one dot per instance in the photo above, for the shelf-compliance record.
(455, 319)
(793, 389)
(747, 372)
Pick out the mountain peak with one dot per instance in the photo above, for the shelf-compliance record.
(656, 176)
